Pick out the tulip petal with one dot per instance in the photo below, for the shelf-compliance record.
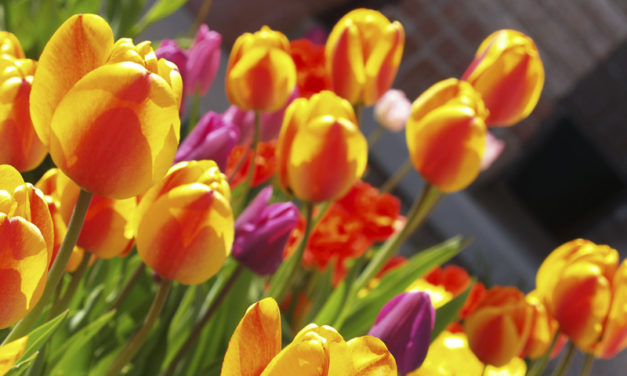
(345, 61)
(11, 352)
(383, 63)
(10, 178)
(615, 333)
(255, 342)
(371, 357)
(80, 45)
(116, 131)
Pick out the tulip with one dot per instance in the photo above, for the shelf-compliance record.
(509, 74)
(499, 327)
(183, 225)
(21, 147)
(392, 110)
(26, 243)
(450, 354)
(583, 288)
(255, 349)
(203, 61)
(107, 112)
(543, 329)
(240, 162)
(103, 233)
(212, 138)
(405, 324)
(363, 53)
(493, 149)
(446, 135)
(10, 353)
(310, 64)
(10, 46)
(262, 231)
(260, 74)
(321, 152)
(170, 50)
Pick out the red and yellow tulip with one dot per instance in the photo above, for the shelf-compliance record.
(10, 352)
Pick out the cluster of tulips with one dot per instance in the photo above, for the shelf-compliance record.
(258, 230)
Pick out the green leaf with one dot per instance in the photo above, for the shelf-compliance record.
(38, 337)
(160, 10)
(24, 364)
(76, 345)
(364, 310)
(449, 312)
(331, 310)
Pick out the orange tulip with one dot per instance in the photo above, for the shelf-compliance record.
(10, 352)
(363, 53)
(107, 112)
(26, 242)
(446, 134)
(499, 327)
(184, 224)
(21, 147)
(103, 233)
(321, 152)
(260, 74)
(255, 349)
(543, 329)
(509, 74)
(585, 290)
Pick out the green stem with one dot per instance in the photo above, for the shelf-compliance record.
(562, 367)
(126, 290)
(483, 370)
(138, 339)
(77, 276)
(193, 114)
(375, 135)
(587, 365)
(55, 274)
(280, 287)
(398, 176)
(419, 211)
(197, 330)
(200, 18)
(539, 365)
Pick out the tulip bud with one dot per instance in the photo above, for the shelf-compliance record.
(446, 135)
(203, 61)
(321, 152)
(393, 110)
(405, 324)
(108, 112)
(499, 327)
(262, 231)
(26, 243)
(21, 147)
(363, 53)
(212, 138)
(543, 329)
(183, 225)
(260, 74)
(509, 74)
(584, 290)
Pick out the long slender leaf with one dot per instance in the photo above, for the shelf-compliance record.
(38, 337)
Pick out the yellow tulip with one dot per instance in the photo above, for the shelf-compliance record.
(10, 352)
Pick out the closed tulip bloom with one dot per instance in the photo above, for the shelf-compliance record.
(446, 134)
(405, 324)
(107, 112)
(212, 138)
(393, 110)
(262, 231)
(260, 74)
(21, 147)
(10, 353)
(584, 289)
(203, 61)
(363, 53)
(255, 349)
(508, 72)
(26, 243)
(543, 329)
(183, 225)
(321, 152)
(499, 327)
(103, 232)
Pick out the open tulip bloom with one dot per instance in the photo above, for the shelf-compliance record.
(257, 244)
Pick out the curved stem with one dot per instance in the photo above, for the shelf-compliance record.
(375, 135)
(138, 339)
(194, 114)
(587, 365)
(539, 365)
(200, 18)
(55, 274)
(562, 367)
(77, 276)
(196, 331)
(128, 286)
(280, 287)
(398, 176)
